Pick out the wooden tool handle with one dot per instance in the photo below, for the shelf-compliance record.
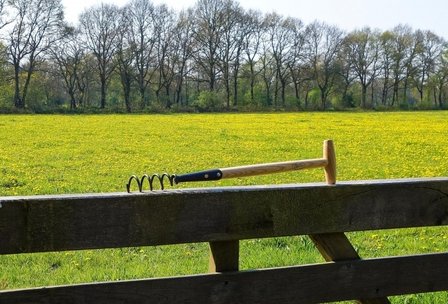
(273, 167)
(330, 156)
(328, 162)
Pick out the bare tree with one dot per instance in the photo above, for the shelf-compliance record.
(323, 44)
(386, 41)
(208, 19)
(252, 46)
(410, 65)
(183, 50)
(4, 14)
(430, 47)
(125, 58)
(440, 79)
(268, 67)
(37, 25)
(164, 22)
(86, 80)
(68, 55)
(401, 44)
(347, 76)
(100, 26)
(296, 62)
(363, 48)
(144, 37)
(229, 54)
(280, 33)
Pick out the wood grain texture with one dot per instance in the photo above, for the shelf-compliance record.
(291, 285)
(329, 154)
(224, 256)
(70, 222)
(270, 168)
(336, 247)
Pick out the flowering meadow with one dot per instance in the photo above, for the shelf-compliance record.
(57, 154)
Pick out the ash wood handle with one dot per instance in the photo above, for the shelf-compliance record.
(328, 162)
(273, 167)
(330, 168)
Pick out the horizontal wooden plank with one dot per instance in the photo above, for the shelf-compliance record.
(337, 247)
(306, 284)
(70, 222)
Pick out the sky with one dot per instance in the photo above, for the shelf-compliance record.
(346, 14)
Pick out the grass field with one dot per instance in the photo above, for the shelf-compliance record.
(78, 154)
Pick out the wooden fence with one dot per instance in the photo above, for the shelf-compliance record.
(222, 217)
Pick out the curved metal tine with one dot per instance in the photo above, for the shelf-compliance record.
(150, 178)
(144, 176)
(151, 181)
(169, 177)
(172, 178)
(139, 184)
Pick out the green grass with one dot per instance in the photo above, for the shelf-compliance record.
(78, 154)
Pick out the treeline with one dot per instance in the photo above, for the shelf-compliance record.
(213, 56)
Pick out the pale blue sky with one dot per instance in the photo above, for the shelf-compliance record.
(347, 14)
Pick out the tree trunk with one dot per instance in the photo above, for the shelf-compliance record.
(441, 94)
(103, 93)
(323, 99)
(405, 92)
(26, 86)
(212, 79)
(235, 88)
(227, 85)
(268, 93)
(276, 93)
(72, 99)
(297, 93)
(252, 81)
(127, 96)
(17, 100)
(179, 91)
(323, 96)
(395, 93)
(384, 94)
(168, 97)
(363, 95)
(283, 92)
(306, 99)
(142, 97)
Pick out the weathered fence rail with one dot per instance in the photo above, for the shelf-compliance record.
(222, 217)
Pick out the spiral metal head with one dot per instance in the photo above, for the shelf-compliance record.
(151, 179)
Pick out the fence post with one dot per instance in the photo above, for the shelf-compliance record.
(336, 246)
(224, 256)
